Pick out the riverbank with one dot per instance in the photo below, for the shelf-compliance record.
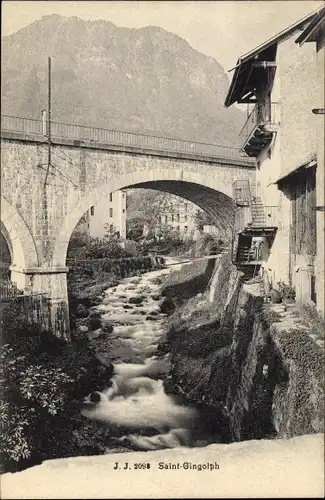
(260, 362)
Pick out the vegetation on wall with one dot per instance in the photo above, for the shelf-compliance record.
(5, 258)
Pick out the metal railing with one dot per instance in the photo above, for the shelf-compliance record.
(120, 138)
(242, 192)
(251, 213)
(262, 114)
(267, 217)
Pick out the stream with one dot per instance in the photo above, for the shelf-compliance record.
(136, 406)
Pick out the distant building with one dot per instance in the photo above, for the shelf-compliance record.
(282, 82)
(178, 215)
(106, 217)
(210, 229)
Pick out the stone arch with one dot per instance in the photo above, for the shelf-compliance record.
(19, 239)
(211, 194)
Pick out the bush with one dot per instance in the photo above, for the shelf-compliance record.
(287, 292)
(43, 379)
(31, 394)
(96, 249)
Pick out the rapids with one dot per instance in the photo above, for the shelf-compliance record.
(134, 399)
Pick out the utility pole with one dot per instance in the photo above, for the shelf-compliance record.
(45, 200)
(49, 110)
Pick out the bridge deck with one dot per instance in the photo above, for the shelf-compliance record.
(30, 127)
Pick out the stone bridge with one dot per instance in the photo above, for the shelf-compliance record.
(42, 201)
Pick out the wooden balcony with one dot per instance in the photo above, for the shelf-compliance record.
(259, 127)
(256, 219)
(242, 193)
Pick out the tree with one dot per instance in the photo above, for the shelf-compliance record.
(144, 209)
(203, 219)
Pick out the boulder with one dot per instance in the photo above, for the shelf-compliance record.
(95, 322)
(167, 306)
(136, 300)
(82, 311)
(151, 318)
(108, 328)
(95, 334)
(153, 313)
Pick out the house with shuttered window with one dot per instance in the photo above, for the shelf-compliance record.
(280, 83)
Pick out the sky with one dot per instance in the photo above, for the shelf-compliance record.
(221, 29)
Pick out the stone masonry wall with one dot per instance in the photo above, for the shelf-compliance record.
(81, 176)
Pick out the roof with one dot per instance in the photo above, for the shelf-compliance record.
(314, 29)
(268, 48)
(309, 162)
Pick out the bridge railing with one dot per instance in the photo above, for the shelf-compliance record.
(120, 138)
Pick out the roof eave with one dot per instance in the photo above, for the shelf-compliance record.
(312, 162)
(230, 99)
(310, 32)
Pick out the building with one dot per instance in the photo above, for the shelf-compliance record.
(314, 34)
(178, 215)
(107, 217)
(280, 83)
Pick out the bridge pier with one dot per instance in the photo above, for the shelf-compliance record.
(47, 287)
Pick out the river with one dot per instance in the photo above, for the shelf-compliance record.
(136, 404)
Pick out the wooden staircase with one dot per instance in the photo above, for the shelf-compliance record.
(244, 245)
(252, 219)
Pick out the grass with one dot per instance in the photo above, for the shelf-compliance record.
(194, 311)
(270, 316)
(310, 317)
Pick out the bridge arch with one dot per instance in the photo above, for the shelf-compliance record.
(18, 236)
(209, 193)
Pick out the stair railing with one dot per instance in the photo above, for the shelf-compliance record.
(242, 195)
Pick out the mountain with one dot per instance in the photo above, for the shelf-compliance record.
(144, 80)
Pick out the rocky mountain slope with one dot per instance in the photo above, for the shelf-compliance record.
(145, 80)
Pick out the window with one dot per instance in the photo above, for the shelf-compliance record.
(123, 210)
(111, 228)
(123, 195)
(177, 228)
(111, 212)
(185, 217)
(110, 196)
(172, 217)
(92, 210)
(166, 219)
(178, 217)
(185, 229)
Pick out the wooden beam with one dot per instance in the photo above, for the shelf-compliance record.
(264, 64)
(247, 100)
(248, 94)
